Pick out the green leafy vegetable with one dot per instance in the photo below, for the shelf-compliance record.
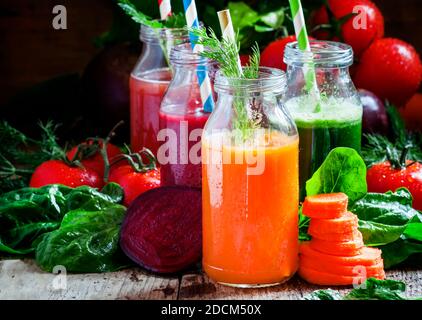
(372, 289)
(394, 208)
(389, 222)
(253, 25)
(176, 20)
(399, 251)
(342, 171)
(87, 241)
(27, 213)
(378, 234)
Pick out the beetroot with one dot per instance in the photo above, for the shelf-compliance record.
(162, 230)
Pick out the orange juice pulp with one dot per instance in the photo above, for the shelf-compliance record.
(250, 222)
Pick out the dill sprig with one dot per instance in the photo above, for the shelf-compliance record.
(20, 154)
(176, 20)
(379, 148)
(226, 53)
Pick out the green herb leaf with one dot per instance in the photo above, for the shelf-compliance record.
(378, 234)
(375, 289)
(396, 122)
(20, 155)
(130, 9)
(87, 241)
(176, 20)
(27, 213)
(327, 294)
(389, 222)
(242, 15)
(414, 231)
(399, 251)
(372, 289)
(274, 19)
(392, 208)
(342, 171)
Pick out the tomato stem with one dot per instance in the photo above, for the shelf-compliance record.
(136, 161)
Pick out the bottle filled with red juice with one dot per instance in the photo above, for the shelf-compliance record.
(182, 119)
(149, 81)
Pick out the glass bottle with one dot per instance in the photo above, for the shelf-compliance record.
(332, 118)
(149, 81)
(182, 119)
(250, 183)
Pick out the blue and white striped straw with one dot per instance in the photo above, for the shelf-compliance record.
(202, 74)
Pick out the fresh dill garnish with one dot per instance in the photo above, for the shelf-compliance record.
(226, 53)
(20, 154)
(379, 148)
(176, 20)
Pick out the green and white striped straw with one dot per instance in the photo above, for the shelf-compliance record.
(303, 42)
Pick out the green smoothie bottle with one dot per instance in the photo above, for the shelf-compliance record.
(328, 114)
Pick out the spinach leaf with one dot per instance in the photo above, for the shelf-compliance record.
(378, 234)
(87, 241)
(260, 26)
(327, 294)
(392, 208)
(399, 251)
(375, 289)
(388, 221)
(242, 15)
(342, 171)
(27, 213)
(414, 231)
(372, 289)
(303, 226)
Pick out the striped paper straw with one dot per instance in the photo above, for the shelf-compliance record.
(227, 31)
(165, 9)
(303, 42)
(201, 71)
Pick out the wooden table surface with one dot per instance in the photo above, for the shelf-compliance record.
(22, 279)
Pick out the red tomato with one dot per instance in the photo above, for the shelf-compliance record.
(412, 113)
(134, 183)
(359, 31)
(56, 171)
(391, 69)
(273, 54)
(382, 177)
(95, 162)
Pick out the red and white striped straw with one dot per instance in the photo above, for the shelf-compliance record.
(165, 9)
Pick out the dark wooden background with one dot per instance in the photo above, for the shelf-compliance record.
(32, 51)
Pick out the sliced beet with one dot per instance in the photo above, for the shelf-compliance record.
(162, 230)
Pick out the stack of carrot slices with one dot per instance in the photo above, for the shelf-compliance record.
(336, 255)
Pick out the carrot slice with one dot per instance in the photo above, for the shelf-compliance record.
(339, 237)
(350, 248)
(334, 268)
(346, 223)
(329, 279)
(325, 206)
(367, 256)
(324, 278)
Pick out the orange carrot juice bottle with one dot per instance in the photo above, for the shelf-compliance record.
(250, 183)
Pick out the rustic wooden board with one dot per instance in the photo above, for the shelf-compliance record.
(22, 279)
(198, 286)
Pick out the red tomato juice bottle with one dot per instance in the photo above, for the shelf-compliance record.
(182, 120)
(148, 82)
